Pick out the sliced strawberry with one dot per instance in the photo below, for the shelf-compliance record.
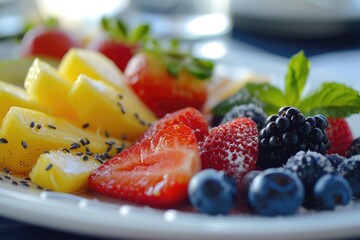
(154, 172)
(232, 147)
(190, 117)
(340, 136)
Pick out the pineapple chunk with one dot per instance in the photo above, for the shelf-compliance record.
(91, 63)
(63, 172)
(11, 95)
(96, 66)
(108, 109)
(45, 85)
(29, 133)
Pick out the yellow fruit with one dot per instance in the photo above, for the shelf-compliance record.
(45, 85)
(63, 172)
(96, 66)
(29, 133)
(11, 95)
(109, 110)
(90, 63)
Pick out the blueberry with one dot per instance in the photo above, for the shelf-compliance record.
(350, 170)
(276, 191)
(247, 180)
(310, 167)
(332, 190)
(212, 192)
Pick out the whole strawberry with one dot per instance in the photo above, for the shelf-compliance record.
(119, 44)
(232, 147)
(169, 80)
(340, 136)
(189, 116)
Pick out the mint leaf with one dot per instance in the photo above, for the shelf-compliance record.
(271, 97)
(139, 33)
(241, 97)
(332, 100)
(298, 70)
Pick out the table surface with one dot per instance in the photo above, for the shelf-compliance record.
(278, 46)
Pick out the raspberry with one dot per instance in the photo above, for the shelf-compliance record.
(310, 167)
(289, 132)
(354, 148)
(252, 111)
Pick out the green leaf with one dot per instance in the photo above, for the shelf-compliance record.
(139, 33)
(271, 97)
(105, 24)
(199, 72)
(298, 70)
(204, 63)
(121, 28)
(241, 97)
(174, 68)
(332, 100)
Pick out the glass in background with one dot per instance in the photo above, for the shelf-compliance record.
(182, 19)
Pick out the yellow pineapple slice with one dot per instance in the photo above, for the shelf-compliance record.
(29, 133)
(11, 95)
(108, 110)
(44, 84)
(96, 66)
(91, 63)
(63, 171)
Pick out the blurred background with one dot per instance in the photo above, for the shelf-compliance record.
(318, 26)
(228, 31)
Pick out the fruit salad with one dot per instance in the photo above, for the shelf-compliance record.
(147, 136)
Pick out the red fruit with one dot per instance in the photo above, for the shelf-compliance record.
(340, 136)
(119, 45)
(154, 172)
(167, 83)
(120, 53)
(232, 147)
(188, 116)
(47, 41)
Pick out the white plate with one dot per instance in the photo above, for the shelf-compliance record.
(100, 216)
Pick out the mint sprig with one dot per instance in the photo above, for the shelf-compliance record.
(176, 60)
(330, 99)
(295, 80)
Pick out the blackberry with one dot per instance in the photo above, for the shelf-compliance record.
(350, 170)
(252, 111)
(289, 132)
(335, 159)
(354, 148)
(310, 167)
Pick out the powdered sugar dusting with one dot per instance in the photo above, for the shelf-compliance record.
(231, 147)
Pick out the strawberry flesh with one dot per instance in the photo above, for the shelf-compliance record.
(153, 172)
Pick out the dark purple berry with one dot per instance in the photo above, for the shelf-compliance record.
(287, 133)
(354, 148)
(310, 167)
